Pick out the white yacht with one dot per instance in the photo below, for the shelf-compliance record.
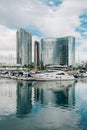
(26, 77)
(53, 75)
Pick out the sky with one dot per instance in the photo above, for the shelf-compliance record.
(43, 18)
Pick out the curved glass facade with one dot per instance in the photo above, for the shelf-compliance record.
(58, 51)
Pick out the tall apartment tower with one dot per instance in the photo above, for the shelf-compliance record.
(58, 51)
(24, 47)
(36, 53)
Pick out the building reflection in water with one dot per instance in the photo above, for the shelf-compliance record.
(30, 95)
(24, 94)
(55, 93)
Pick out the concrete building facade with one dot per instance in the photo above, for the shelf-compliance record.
(36, 53)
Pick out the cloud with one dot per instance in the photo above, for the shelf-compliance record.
(35, 13)
(81, 51)
(7, 44)
(62, 18)
(7, 38)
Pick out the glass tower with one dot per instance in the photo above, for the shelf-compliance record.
(58, 51)
(24, 47)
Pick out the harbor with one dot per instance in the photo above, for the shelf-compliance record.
(41, 75)
(43, 65)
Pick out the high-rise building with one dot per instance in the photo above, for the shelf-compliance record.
(58, 51)
(24, 47)
(36, 53)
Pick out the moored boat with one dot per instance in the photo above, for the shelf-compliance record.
(53, 75)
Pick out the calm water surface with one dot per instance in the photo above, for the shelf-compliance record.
(43, 105)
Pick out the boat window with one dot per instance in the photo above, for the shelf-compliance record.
(29, 75)
(58, 77)
(50, 71)
(60, 74)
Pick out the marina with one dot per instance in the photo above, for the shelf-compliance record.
(43, 65)
(41, 75)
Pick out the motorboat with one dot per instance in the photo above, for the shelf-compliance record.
(81, 74)
(53, 75)
(26, 77)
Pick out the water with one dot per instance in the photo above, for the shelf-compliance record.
(47, 105)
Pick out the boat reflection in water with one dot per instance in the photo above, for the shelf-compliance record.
(56, 93)
(32, 95)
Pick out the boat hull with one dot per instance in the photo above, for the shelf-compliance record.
(43, 77)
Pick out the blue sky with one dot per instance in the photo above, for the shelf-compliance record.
(43, 18)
